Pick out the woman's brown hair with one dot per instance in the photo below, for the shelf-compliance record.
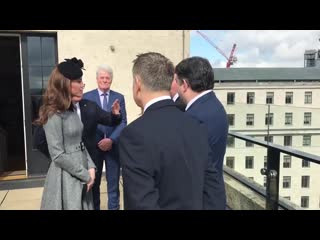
(57, 97)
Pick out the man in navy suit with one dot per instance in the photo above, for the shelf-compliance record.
(107, 138)
(163, 153)
(195, 78)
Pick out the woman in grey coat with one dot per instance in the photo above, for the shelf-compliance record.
(72, 172)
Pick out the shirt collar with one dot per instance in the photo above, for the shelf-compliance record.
(152, 101)
(175, 97)
(196, 98)
(101, 92)
(76, 105)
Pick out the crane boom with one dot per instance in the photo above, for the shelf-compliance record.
(231, 59)
(215, 46)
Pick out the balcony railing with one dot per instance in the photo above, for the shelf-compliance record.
(272, 172)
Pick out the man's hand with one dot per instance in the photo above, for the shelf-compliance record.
(105, 144)
(115, 108)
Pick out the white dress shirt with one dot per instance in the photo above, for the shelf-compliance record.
(101, 96)
(175, 97)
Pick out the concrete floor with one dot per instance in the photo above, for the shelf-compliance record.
(30, 198)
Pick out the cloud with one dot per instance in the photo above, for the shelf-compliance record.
(259, 48)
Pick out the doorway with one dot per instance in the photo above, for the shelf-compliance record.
(12, 145)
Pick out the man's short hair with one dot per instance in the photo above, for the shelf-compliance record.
(105, 68)
(198, 73)
(155, 70)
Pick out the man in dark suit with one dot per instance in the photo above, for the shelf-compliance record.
(91, 116)
(107, 138)
(164, 152)
(195, 78)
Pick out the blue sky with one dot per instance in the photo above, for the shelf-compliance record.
(256, 48)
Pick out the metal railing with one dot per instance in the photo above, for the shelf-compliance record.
(272, 171)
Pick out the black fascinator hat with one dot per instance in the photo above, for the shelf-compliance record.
(71, 68)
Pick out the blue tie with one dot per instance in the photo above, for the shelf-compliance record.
(103, 128)
(105, 101)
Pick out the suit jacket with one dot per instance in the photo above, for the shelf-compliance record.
(180, 104)
(91, 116)
(114, 131)
(209, 110)
(164, 154)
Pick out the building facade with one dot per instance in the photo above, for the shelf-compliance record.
(27, 59)
(277, 105)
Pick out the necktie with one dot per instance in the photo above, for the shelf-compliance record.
(105, 101)
(104, 107)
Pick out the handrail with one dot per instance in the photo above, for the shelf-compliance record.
(272, 171)
(296, 153)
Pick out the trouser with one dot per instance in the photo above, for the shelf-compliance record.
(112, 176)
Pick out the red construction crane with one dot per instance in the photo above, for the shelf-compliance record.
(231, 59)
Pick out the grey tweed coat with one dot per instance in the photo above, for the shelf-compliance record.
(67, 177)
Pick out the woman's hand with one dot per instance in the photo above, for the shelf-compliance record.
(92, 173)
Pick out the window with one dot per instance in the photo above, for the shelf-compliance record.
(269, 98)
(288, 119)
(289, 97)
(287, 197)
(287, 141)
(305, 181)
(250, 98)
(269, 120)
(230, 141)
(265, 181)
(305, 201)
(231, 119)
(249, 144)
(307, 118)
(230, 162)
(249, 162)
(305, 163)
(310, 59)
(306, 140)
(41, 59)
(250, 119)
(308, 97)
(268, 139)
(230, 97)
(265, 161)
(286, 182)
(286, 161)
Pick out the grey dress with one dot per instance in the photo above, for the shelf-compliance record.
(67, 177)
